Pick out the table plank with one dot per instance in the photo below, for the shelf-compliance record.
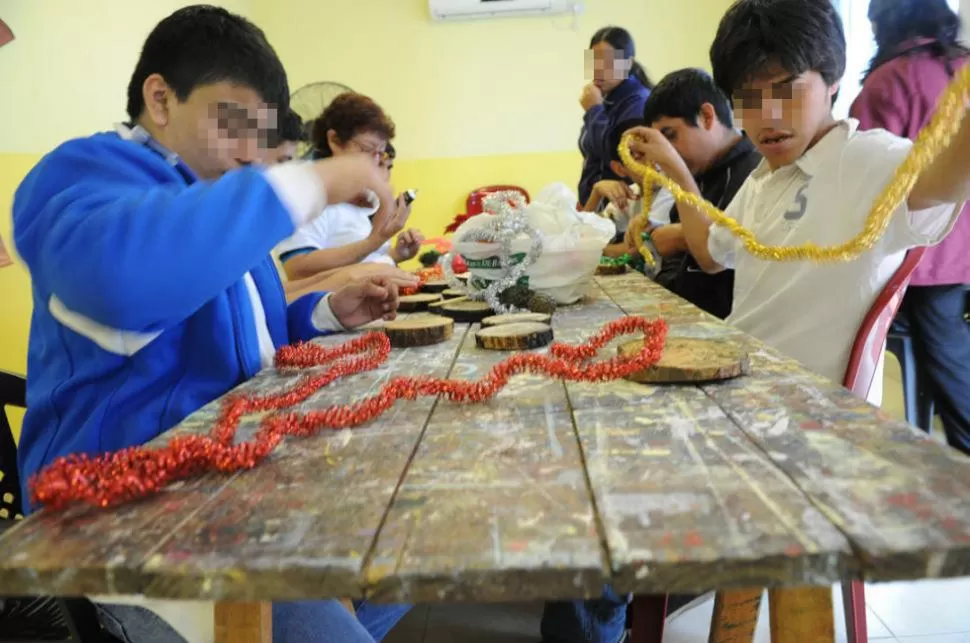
(901, 499)
(495, 504)
(302, 524)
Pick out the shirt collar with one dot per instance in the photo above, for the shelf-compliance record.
(822, 152)
(140, 135)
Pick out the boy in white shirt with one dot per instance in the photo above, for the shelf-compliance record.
(781, 61)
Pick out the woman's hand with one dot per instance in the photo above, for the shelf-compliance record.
(591, 97)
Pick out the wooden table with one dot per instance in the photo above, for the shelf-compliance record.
(779, 478)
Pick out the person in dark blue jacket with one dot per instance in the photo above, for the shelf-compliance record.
(617, 94)
(149, 252)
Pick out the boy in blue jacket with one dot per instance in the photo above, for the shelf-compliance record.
(149, 252)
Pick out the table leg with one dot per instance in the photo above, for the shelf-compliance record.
(244, 622)
(735, 615)
(802, 615)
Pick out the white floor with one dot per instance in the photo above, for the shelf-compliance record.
(926, 612)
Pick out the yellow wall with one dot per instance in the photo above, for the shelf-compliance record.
(469, 111)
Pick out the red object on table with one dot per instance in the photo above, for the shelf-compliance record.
(136, 472)
(475, 202)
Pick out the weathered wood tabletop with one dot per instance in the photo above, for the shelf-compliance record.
(551, 490)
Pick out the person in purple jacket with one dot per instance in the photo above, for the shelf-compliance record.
(617, 94)
(917, 54)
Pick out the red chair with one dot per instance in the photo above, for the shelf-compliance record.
(870, 344)
(474, 204)
(868, 349)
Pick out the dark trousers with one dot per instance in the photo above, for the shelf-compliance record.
(941, 341)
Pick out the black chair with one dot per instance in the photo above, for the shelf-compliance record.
(25, 619)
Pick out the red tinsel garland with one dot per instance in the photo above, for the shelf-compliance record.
(424, 276)
(136, 472)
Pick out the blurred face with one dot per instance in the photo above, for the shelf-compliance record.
(784, 115)
(607, 66)
(219, 127)
(697, 145)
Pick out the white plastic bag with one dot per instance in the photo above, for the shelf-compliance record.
(572, 244)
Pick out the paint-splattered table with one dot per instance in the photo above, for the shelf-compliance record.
(779, 478)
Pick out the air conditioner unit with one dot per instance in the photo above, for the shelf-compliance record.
(475, 9)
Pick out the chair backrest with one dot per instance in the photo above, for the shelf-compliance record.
(475, 203)
(870, 341)
(13, 392)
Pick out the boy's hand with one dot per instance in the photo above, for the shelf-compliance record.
(650, 146)
(668, 239)
(365, 300)
(591, 97)
(634, 232)
(616, 192)
(407, 246)
(347, 178)
(390, 220)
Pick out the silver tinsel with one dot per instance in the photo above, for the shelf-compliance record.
(506, 214)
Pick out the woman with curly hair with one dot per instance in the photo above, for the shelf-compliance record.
(349, 233)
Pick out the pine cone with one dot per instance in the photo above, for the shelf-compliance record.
(541, 303)
(429, 258)
(517, 296)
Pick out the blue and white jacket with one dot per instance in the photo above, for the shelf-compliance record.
(154, 292)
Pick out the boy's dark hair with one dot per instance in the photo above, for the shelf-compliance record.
(291, 128)
(348, 115)
(614, 136)
(897, 22)
(202, 44)
(798, 35)
(682, 93)
(621, 40)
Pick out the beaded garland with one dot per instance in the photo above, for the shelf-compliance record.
(932, 140)
(136, 472)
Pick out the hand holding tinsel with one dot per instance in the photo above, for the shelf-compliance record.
(932, 139)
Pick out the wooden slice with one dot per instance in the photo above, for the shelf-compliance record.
(436, 306)
(435, 286)
(453, 293)
(465, 311)
(690, 360)
(514, 337)
(515, 318)
(607, 269)
(420, 330)
(413, 303)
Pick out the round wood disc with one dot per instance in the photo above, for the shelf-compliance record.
(420, 330)
(435, 286)
(514, 337)
(466, 311)
(687, 359)
(453, 293)
(606, 269)
(515, 318)
(412, 303)
(435, 307)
